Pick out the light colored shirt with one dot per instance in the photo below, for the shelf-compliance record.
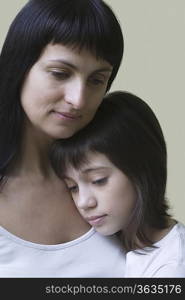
(167, 260)
(90, 255)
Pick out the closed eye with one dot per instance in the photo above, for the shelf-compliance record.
(73, 189)
(96, 81)
(60, 75)
(100, 181)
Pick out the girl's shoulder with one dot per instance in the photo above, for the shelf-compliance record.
(180, 227)
(178, 230)
(167, 259)
(175, 236)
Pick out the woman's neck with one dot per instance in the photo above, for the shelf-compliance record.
(33, 156)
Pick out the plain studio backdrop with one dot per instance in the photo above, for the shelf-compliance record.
(153, 68)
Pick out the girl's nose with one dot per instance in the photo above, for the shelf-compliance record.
(86, 201)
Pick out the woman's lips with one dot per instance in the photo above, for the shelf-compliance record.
(66, 115)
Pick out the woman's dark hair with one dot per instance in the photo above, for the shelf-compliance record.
(126, 130)
(89, 24)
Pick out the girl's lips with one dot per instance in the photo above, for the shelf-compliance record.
(96, 220)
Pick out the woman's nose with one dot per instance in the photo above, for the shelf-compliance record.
(75, 94)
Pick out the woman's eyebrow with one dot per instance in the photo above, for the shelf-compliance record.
(64, 62)
(105, 69)
(69, 64)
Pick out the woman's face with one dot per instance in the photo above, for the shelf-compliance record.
(103, 194)
(63, 90)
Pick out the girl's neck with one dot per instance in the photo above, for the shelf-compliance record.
(158, 234)
(155, 234)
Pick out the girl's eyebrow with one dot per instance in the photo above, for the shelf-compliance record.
(86, 171)
(92, 169)
(64, 177)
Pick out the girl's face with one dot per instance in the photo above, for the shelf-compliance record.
(103, 194)
(63, 90)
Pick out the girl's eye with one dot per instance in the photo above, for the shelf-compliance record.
(100, 181)
(73, 189)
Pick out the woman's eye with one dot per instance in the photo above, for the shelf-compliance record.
(96, 81)
(60, 75)
(100, 181)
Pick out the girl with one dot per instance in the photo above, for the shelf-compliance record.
(116, 171)
(54, 72)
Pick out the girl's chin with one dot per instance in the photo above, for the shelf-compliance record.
(104, 231)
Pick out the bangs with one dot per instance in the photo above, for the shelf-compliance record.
(87, 24)
(77, 23)
(82, 27)
(61, 161)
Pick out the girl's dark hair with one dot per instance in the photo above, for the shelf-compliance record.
(126, 130)
(76, 23)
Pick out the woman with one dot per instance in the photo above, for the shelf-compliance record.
(58, 60)
(115, 169)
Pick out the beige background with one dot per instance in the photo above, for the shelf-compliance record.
(153, 67)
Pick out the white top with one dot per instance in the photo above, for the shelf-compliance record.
(168, 260)
(90, 255)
